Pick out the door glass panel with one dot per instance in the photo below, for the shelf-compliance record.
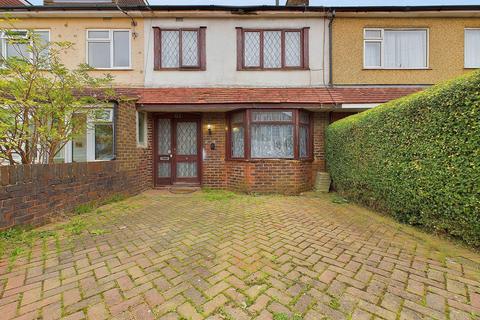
(186, 169)
(186, 138)
(164, 136)
(164, 170)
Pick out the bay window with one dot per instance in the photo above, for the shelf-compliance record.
(472, 48)
(270, 134)
(179, 49)
(271, 49)
(108, 49)
(395, 48)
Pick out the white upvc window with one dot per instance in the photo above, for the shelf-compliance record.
(141, 129)
(405, 48)
(96, 142)
(472, 48)
(109, 49)
(10, 48)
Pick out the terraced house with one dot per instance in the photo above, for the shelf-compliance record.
(239, 97)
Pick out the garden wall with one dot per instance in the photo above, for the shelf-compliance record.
(30, 194)
(417, 158)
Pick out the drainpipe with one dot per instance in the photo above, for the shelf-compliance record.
(331, 16)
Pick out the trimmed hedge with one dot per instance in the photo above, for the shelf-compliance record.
(416, 158)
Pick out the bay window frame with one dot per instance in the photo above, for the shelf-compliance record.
(295, 122)
(201, 44)
(381, 40)
(304, 49)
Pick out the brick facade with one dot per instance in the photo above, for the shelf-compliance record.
(32, 194)
(130, 157)
(264, 176)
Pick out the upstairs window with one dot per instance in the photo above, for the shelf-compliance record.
(177, 49)
(395, 48)
(272, 49)
(472, 48)
(109, 49)
(14, 44)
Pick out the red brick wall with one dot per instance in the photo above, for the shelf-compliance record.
(130, 157)
(264, 176)
(213, 168)
(30, 194)
(270, 176)
(320, 123)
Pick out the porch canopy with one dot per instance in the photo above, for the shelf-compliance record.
(227, 99)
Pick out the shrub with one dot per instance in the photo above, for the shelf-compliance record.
(417, 158)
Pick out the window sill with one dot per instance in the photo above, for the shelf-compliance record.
(398, 69)
(281, 69)
(179, 69)
(142, 146)
(471, 68)
(111, 69)
(270, 159)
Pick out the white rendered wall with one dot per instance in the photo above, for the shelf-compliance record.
(221, 54)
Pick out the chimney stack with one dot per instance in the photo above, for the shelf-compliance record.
(297, 2)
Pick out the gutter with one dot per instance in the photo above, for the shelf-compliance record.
(331, 16)
(236, 9)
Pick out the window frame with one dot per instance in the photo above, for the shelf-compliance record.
(381, 40)
(110, 40)
(143, 144)
(90, 137)
(465, 66)
(3, 40)
(247, 124)
(157, 47)
(304, 49)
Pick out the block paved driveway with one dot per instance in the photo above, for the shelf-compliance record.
(164, 256)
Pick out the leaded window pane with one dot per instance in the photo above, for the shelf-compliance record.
(164, 170)
(272, 116)
(272, 141)
(190, 48)
(292, 49)
(186, 138)
(238, 142)
(237, 117)
(164, 136)
(186, 169)
(170, 49)
(252, 49)
(303, 141)
(272, 49)
(304, 117)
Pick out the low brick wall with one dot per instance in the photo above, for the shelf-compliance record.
(270, 176)
(30, 194)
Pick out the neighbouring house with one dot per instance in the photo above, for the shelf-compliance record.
(239, 97)
(14, 3)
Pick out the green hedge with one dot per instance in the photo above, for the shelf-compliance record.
(416, 158)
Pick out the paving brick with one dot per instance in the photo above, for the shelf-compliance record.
(245, 258)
